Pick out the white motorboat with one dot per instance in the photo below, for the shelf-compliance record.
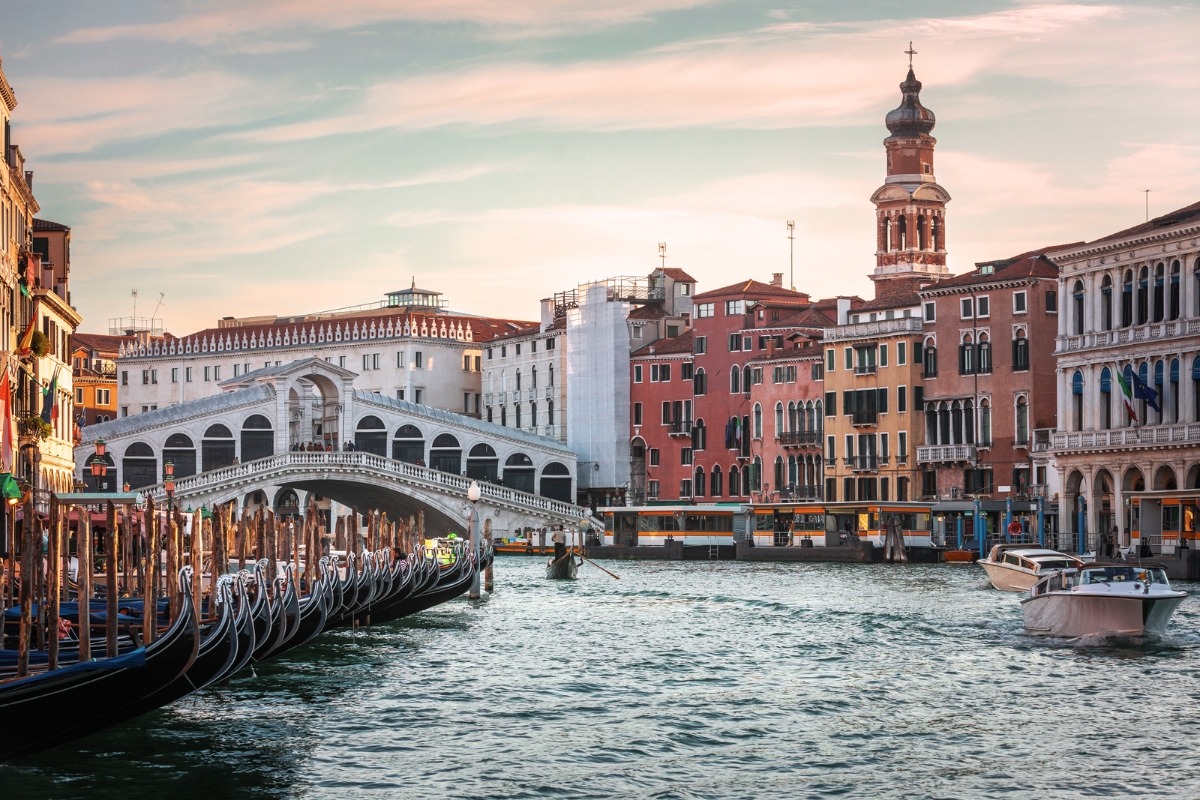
(1017, 567)
(1101, 600)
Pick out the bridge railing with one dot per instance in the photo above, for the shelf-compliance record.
(360, 461)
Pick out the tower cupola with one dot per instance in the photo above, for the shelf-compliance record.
(910, 118)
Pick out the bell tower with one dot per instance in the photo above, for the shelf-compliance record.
(910, 207)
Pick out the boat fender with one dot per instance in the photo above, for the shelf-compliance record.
(528, 551)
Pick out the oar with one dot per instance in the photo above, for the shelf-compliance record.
(597, 566)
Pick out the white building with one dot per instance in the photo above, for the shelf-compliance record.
(409, 348)
(1130, 307)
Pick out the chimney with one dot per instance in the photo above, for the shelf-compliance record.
(777, 279)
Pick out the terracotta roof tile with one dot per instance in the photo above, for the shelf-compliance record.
(681, 344)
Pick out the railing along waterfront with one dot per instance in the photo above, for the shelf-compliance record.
(1116, 438)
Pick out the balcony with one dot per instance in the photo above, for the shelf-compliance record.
(947, 453)
(681, 428)
(797, 493)
(1123, 337)
(1125, 439)
(872, 329)
(799, 439)
(865, 369)
(860, 418)
(864, 463)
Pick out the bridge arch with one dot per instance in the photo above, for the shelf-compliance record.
(482, 463)
(519, 472)
(217, 448)
(180, 450)
(287, 503)
(556, 482)
(258, 438)
(139, 465)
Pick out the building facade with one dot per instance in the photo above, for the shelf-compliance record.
(1130, 313)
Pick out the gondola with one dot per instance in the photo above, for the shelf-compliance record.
(50, 708)
(565, 567)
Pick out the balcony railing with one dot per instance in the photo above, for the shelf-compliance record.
(803, 492)
(864, 418)
(864, 463)
(799, 438)
(883, 327)
(1156, 331)
(865, 369)
(681, 428)
(946, 453)
(1179, 434)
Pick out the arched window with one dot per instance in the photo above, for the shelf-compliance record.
(1195, 390)
(1172, 402)
(922, 235)
(556, 482)
(755, 475)
(139, 466)
(519, 472)
(1159, 386)
(446, 454)
(734, 484)
(985, 423)
(1077, 308)
(929, 355)
(1143, 296)
(1173, 304)
(483, 463)
(180, 450)
(258, 440)
(1077, 401)
(758, 433)
(966, 355)
(699, 435)
(793, 417)
(985, 354)
(698, 483)
(887, 234)
(287, 504)
(1127, 299)
(735, 379)
(1020, 351)
(699, 382)
(370, 436)
(1105, 398)
(715, 481)
(216, 448)
(902, 232)
(1159, 296)
(1022, 421)
(778, 418)
(779, 479)
(1106, 303)
(409, 445)
(935, 233)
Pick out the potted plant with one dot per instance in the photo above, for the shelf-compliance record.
(34, 426)
(39, 344)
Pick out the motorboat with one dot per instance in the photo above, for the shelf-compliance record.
(1017, 567)
(1101, 600)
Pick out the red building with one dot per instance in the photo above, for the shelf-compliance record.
(660, 420)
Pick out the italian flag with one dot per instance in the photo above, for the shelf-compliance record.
(1127, 395)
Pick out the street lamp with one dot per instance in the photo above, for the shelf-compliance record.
(169, 486)
(99, 466)
(584, 526)
(473, 494)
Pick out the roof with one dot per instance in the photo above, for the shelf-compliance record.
(683, 343)
(676, 274)
(99, 342)
(751, 287)
(897, 292)
(177, 413)
(47, 225)
(650, 311)
(1177, 217)
(1027, 265)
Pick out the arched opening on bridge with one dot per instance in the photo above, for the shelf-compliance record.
(180, 450)
(519, 473)
(287, 504)
(217, 448)
(409, 445)
(482, 463)
(140, 465)
(314, 406)
(109, 482)
(371, 436)
(556, 482)
(446, 454)
(258, 440)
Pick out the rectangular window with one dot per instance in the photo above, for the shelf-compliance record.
(78, 396)
(366, 362)
(420, 360)
(208, 373)
(901, 398)
(637, 413)
(982, 306)
(518, 353)
(831, 449)
(883, 355)
(734, 307)
(216, 373)
(930, 315)
(236, 368)
(187, 374)
(685, 371)
(831, 404)
(1019, 306)
(417, 393)
(685, 456)
(884, 451)
(701, 345)
(174, 374)
(748, 343)
(849, 353)
(902, 447)
(654, 373)
(400, 357)
(968, 308)
(735, 342)
(830, 360)
(901, 353)
(145, 377)
(654, 456)
(666, 412)
(704, 310)
(636, 332)
(124, 411)
(637, 373)
(664, 373)
(550, 344)
(1051, 302)
(103, 397)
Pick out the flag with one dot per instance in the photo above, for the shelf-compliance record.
(9, 436)
(1142, 391)
(1127, 392)
(50, 400)
(25, 344)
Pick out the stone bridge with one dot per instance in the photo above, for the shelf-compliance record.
(281, 437)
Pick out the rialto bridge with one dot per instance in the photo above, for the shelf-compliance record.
(283, 436)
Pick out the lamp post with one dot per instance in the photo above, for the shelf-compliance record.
(473, 494)
(584, 526)
(99, 466)
(169, 487)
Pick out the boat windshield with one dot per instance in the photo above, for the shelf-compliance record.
(1118, 574)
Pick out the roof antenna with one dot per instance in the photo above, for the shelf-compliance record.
(792, 251)
(1147, 191)
(134, 293)
(662, 253)
(161, 295)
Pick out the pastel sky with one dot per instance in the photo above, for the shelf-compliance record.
(233, 158)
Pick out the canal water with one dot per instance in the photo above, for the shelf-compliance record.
(679, 680)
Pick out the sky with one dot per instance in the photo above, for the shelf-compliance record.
(224, 158)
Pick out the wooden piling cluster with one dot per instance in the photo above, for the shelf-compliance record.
(63, 557)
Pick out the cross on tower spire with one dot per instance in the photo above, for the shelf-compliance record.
(910, 53)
